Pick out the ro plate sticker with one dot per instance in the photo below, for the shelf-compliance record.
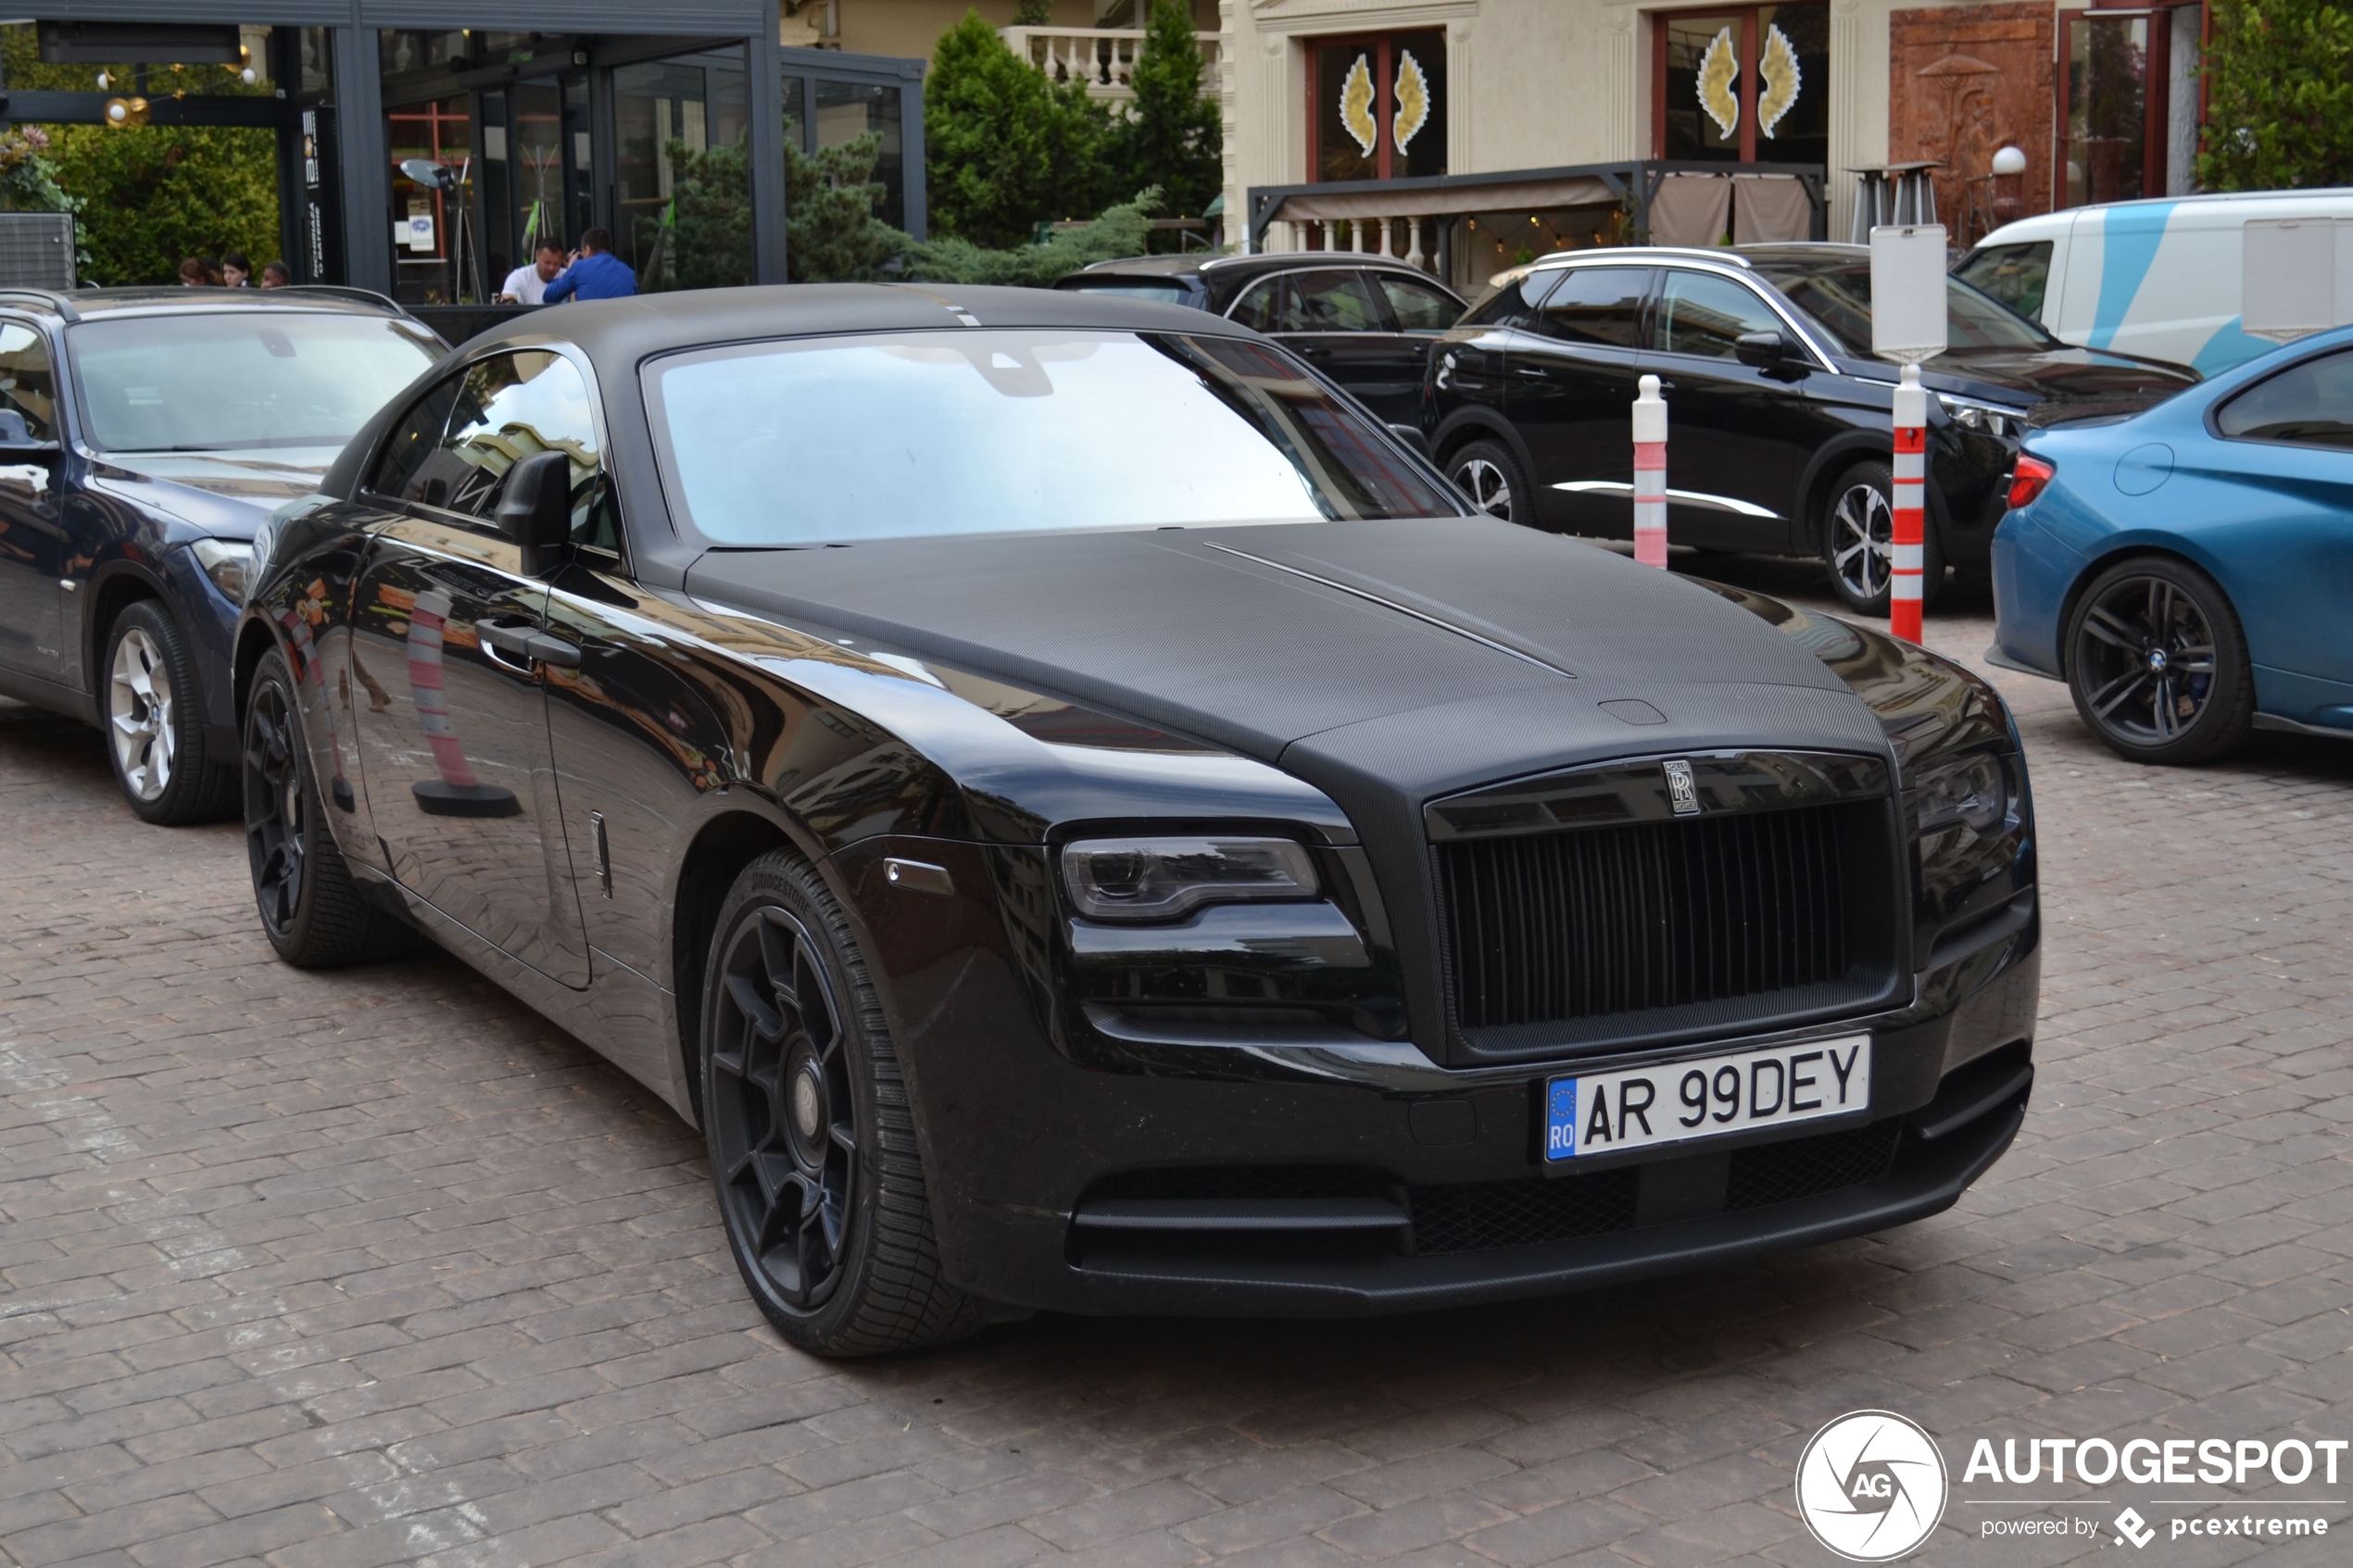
(1678, 1102)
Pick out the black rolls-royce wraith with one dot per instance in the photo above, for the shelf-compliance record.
(1082, 819)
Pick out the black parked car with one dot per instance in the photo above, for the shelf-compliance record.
(1779, 418)
(1366, 321)
(1207, 872)
(143, 435)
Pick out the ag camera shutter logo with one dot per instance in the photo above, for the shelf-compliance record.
(1871, 1486)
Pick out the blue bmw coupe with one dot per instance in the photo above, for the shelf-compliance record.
(2188, 571)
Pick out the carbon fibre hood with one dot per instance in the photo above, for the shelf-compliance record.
(1384, 661)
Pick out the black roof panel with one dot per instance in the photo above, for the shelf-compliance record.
(629, 329)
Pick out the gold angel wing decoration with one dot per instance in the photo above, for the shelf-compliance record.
(1413, 100)
(1719, 70)
(1356, 106)
(1782, 78)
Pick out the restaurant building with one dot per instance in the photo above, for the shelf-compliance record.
(1473, 133)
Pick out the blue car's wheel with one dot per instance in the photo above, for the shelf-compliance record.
(2158, 663)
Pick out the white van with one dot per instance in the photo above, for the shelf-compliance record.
(2155, 278)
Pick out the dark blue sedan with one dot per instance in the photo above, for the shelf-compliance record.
(2188, 571)
(144, 434)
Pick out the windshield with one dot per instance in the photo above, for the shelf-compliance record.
(240, 378)
(836, 440)
(2016, 275)
(1136, 288)
(1838, 297)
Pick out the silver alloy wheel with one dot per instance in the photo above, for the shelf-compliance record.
(139, 710)
(1863, 541)
(1486, 485)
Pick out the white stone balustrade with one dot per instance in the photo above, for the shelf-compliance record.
(1102, 58)
(1399, 237)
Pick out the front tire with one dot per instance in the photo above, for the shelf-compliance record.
(2157, 664)
(1489, 477)
(155, 724)
(310, 908)
(812, 1145)
(1858, 532)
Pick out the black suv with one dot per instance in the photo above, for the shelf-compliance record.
(1365, 322)
(1779, 418)
(144, 434)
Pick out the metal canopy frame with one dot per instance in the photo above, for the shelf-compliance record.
(1638, 178)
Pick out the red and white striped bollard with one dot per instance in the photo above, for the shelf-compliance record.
(1650, 474)
(1909, 523)
(427, 620)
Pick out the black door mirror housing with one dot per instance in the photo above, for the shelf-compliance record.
(534, 510)
(17, 442)
(1767, 351)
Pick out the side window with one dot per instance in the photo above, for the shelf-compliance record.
(1418, 306)
(1258, 310)
(414, 438)
(1700, 313)
(1336, 301)
(1600, 307)
(27, 384)
(1513, 301)
(2311, 404)
(509, 407)
(2016, 275)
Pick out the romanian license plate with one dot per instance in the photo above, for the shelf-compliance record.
(1708, 1097)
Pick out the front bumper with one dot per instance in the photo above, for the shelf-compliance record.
(1046, 1130)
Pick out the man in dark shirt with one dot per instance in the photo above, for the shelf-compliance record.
(595, 273)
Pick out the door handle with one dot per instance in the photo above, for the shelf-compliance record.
(551, 650)
(526, 646)
(512, 641)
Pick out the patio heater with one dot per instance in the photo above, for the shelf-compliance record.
(465, 251)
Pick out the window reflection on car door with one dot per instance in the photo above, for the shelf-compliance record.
(1738, 435)
(34, 550)
(459, 776)
(1571, 387)
(1471, 361)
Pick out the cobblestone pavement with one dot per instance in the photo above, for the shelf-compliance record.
(353, 1269)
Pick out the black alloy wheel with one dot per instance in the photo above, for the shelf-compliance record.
(155, 723)
(2158, 663)
(310, 908)
(1490, 479)
(1858, 532)
(811, 1145)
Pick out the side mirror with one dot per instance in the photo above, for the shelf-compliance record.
(1411, 436)
(536, 509)
(17, 440)
(1767, 351)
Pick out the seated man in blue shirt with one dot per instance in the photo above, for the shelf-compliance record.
(596, 272)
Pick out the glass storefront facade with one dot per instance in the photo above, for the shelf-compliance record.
(427, 163)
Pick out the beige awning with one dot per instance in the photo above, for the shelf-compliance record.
(1514, 195)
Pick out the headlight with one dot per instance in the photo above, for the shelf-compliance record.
(1965, 792)
(1148, 879)
(228, 562)
(1992, 419)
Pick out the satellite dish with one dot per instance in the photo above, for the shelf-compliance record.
(2010, 160)
(426, 172)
